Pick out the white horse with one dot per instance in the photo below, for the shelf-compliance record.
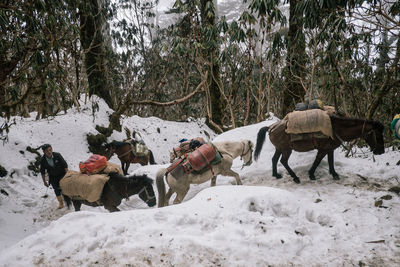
(229, 151)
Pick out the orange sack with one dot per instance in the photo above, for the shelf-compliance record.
(94, 164)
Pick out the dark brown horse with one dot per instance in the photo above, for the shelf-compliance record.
(117, 188)
(344, 129)
(126, 154)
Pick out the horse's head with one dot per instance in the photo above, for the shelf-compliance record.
(374, 138)
(110, 150)
(146, 193)
(247, 154)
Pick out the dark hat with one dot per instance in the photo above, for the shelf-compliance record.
(45, 146)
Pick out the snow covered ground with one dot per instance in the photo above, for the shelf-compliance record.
(351, 222)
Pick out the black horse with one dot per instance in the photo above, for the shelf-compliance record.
(117, 188)
(126, 154)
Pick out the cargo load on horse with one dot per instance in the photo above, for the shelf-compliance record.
(197, 160)
(94, 164)
(87, 186)
(81, 186)
(315, 104)
(309, 121)
(186, 146)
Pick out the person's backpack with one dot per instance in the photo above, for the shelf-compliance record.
(395, 126)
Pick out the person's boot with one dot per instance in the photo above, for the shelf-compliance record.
(60, 200)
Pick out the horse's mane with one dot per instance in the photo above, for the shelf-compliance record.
(133, 179)
(117, 144)
(356, 121)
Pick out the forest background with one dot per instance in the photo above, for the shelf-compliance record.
(231, 62)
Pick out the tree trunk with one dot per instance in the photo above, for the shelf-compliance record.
(294, 92)
(214, 76)
(92, 25)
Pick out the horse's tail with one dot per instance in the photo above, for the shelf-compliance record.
(161, 187)
(67, 199)
(152, 161)
(260, 141)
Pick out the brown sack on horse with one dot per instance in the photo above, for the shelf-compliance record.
(181, 185)
(127, 154)
(344, 129)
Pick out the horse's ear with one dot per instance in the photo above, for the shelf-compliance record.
(127, 132)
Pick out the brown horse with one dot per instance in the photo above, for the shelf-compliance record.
(344, 129)
(127, 155)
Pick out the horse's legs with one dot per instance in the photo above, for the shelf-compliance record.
(168, 196)
(331, 166)
(127, 167)
(123, 167)
(284, 160)
(180, 194)
(77, 205)
(229, 172)
(111, 208)
(213, 181)
(275, 159)
(317, 161)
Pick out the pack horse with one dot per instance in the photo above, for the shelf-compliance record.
(180, 185)
(344, 129)
(117, 188)
(128, 153)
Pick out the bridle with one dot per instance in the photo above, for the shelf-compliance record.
(110, 152)
(144, 189)
(148, 197)
(245, 153)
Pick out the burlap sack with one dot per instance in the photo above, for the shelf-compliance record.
(82, 186)
(112, 167)
(277, 125)
(330, 110)
(309, 121)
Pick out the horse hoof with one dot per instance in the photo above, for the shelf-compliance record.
(296, 180)
(278, 176)
(336, 177)
(312, 178)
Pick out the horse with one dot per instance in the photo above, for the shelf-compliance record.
(126, 154)
(229, 151)
(344, 129)
(117, 188)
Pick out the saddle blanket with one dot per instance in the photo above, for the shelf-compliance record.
(309, 121)
(82, 186)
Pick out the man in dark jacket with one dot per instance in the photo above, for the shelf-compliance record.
(56, 168)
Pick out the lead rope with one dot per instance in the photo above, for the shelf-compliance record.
(123, 154)
(241, 156)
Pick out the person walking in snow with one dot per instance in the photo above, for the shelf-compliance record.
(56, 168)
